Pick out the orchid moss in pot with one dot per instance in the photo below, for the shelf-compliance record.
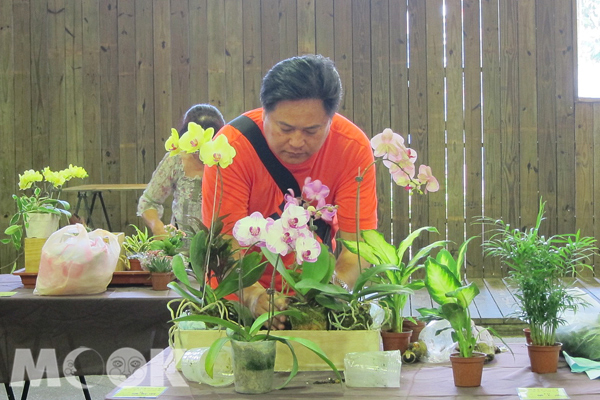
(377, 251)
(537, 266)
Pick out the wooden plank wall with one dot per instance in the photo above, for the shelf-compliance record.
(483, 90)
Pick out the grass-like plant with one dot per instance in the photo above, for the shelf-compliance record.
(537, 267)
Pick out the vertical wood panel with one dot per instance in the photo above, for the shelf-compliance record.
(343, 53)
(584, 171)
(436, 125)
(473, 135)
(162, 75)
(565, 116)
(509, 81)
(91, 87)
(234, 57)
(361, 64)
(454, 181)
(216, 53)
(528, 148)
(306, 27)
(40, 86)
(546, 89)
(198, 52)
(596, 182)
(380, 103)
(417, 96)
(288, 29)
(324, 27)
(127, 106)
(399, 106)
(269, 34)
(56, 112)
(492, 175)
(252, 54)
(7, 128)
(144, 81)
(180, 60)
(109, 104)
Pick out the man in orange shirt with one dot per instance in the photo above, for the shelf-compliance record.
(298, 120)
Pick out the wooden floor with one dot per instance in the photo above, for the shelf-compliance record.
(495, 306)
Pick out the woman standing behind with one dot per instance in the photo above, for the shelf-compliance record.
(179, 175)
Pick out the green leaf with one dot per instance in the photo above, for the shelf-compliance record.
(261, 319)
(189, 293)
(444, 257)
(369, 273)
(11, 230)
(366, 251)
(408, 241)
(381, 248)
(252, 270)
(425, 252)
(439, 280)
(213, 354)
(312, 346)
(215, 321)
(319, 270)
(179, 269)
(465, 294)
(460, 258)
(294, 369)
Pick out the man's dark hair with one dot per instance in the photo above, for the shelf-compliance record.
(299, 78)
(205, 115)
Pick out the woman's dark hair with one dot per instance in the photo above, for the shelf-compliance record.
(299, 78)
(205, 115)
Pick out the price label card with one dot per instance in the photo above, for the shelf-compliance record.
(542, 393)
(148, 392)
(7, 294)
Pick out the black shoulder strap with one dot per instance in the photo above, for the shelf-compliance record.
(280, 174)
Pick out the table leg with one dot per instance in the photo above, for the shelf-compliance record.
(86, 391)
(9, 392)
(91, 209)
(105, 212)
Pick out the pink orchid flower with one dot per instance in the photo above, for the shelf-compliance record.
(426, 178)
(279, 239)
(250, 230)
(294, 216)
(386, 143)
(315, 191)
(307, 249)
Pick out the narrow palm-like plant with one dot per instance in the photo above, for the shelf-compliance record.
(537, 268)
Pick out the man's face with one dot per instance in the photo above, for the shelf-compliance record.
(296, 129)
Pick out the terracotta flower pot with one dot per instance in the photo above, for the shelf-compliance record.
(135, 264)
(396, 340)
(160, 280)
(416, 329)
(467, 371)
(544, 359)
(527, 333)
(253, 366)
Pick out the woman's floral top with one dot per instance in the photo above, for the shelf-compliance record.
(170, 179)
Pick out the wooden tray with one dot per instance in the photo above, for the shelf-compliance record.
(119, 278)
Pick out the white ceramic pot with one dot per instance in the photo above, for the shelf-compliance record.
(41, 225)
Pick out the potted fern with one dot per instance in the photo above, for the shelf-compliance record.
(538, 265)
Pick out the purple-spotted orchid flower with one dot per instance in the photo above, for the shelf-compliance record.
(251, 230)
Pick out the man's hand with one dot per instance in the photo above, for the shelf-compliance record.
(256, 298)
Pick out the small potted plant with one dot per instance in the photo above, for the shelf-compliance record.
(161, 271)
(376, 250)
(538, 265)
(40, 212)
(135, 246)
(445, 286)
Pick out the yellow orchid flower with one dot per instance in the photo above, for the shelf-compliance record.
(77, 172)
(55, 178)
(28, 177)
(217, 151)
(194, 138)
(172, 143)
